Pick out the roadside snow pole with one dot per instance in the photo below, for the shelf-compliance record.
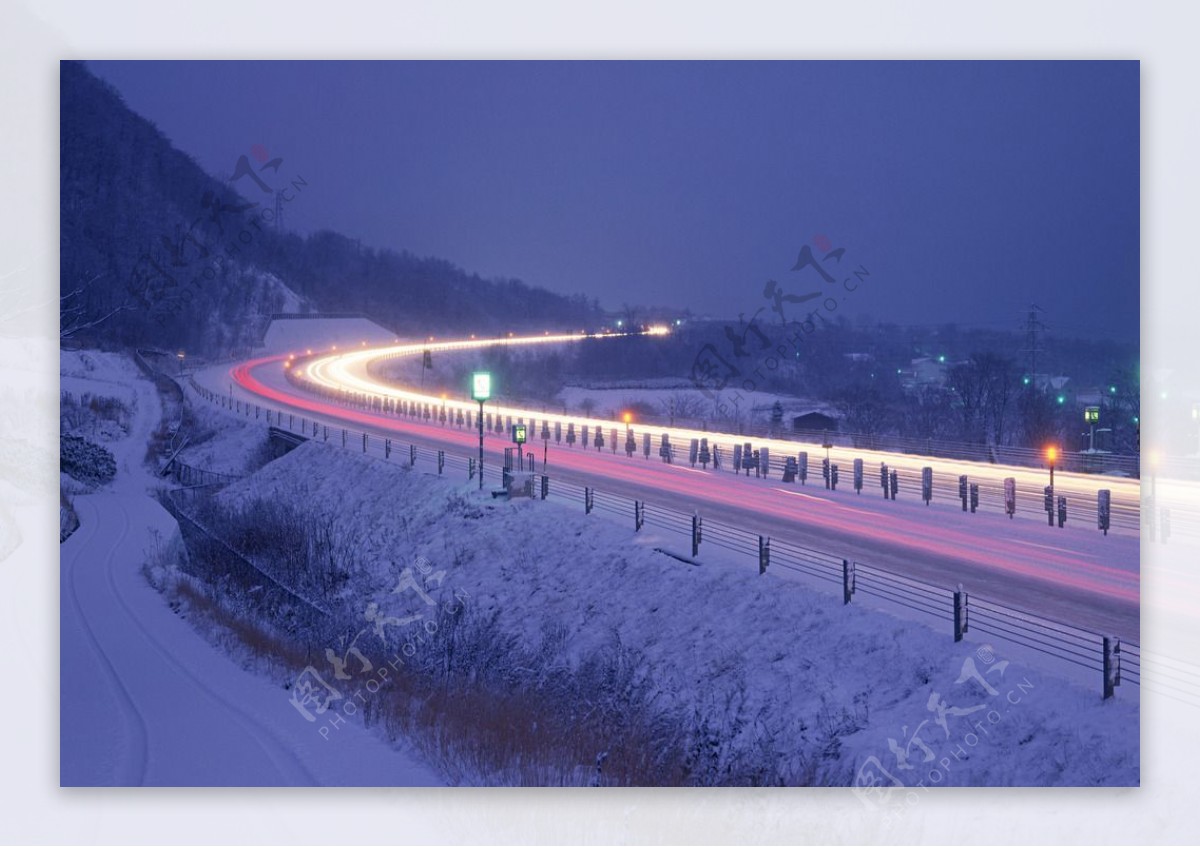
(847, 581)
(364, 442)
(325, 431)
(587, 500)
(962, 490)
(412, 456)
(545, 486)
(639, 515)
(343, 438)
(696, 528)
(1010, 496)
(883, 478)
(802, 467)
(974, 497)
(737, 458)
(858, 476)
(1112, 665)
(471, 469)
(960, 613)
(926, 484)
(895, 484)
(646, 445)
(1103, 509)
(693, 451)
(764, 554)
(764, 461)
(441, 460)
(387, 448)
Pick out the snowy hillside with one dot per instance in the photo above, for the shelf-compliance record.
(731, 677)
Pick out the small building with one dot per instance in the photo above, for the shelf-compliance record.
(814, 422)
(929, 371)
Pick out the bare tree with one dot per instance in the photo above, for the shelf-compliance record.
(74, 315)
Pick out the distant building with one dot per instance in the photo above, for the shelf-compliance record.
(928, 371)
(814, 422)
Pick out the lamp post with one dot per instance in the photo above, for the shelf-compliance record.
(481, 391)
(1051, 455)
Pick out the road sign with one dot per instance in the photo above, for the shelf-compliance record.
(481, 386)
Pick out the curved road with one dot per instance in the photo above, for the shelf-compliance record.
(1074, 575)
(146, 701)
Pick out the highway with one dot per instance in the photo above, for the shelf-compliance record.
(1074, 575)
(349, 372)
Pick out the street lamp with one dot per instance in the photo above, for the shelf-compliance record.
(1051, 456)
(481, 391)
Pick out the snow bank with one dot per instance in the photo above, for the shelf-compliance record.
(820, 692)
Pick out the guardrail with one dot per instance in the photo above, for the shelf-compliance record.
(1113, 657)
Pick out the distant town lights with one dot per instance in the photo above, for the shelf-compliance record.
(658, 329)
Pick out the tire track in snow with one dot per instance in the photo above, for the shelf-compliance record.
(290, 767)
(139, 732)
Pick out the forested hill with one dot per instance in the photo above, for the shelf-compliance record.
(154, 251)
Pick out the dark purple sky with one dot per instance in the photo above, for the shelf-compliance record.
(968, 190)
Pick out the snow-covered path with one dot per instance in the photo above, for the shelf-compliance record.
(146, 701)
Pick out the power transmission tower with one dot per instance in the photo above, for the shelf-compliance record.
(1033, 326)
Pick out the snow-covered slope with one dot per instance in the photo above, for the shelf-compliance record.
(816, 690)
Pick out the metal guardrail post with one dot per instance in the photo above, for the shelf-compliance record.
(764, 554)
(847, 581)
(697, 529)
(441, 460)
(960, 613)
(587, 500)
(412, 455)
(364, 442)
(1112, 665)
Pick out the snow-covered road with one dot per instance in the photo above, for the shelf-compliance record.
(146, 701)
(144, 698)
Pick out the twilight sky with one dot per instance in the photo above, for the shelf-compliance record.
(967, 190)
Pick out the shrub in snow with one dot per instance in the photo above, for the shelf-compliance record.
(85, 461)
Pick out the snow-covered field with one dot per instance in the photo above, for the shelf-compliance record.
(769, 676)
